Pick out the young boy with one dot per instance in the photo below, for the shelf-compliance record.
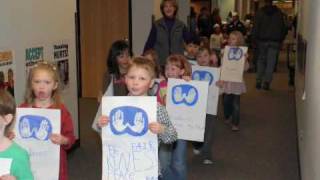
(192, 48)
(20, 163)
(139, 79)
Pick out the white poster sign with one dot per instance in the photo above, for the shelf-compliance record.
(130, 150)
(33, 129)
(61, 58)
(5, 166)
(187, 106)
(211, 75)
(233, 63)
(109, 92)
(33, 55)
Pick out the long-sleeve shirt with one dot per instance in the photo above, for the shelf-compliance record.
(170, 134)
(67, 131)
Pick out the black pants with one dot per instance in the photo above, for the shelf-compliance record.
(231, 107)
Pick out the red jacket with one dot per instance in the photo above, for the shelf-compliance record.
(67, 131)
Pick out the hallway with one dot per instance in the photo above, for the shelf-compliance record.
(265, 148)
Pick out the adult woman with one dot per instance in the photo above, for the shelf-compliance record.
(167, 34)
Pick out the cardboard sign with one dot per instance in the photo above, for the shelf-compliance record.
(186, 104)
(130, 150)
(233, 63)
(33, 129)
(211, 75)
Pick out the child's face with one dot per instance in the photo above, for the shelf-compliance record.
(138, 81)
(43, 84)
(233, 40)
(192, 49)
(169, 9)
(172, 71)
(123, 59)
(203, 58)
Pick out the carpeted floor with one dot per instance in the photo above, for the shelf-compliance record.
(265, 148)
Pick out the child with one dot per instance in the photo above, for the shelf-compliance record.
(214, 58)
(139, 79)
(191, 48)
(153, 56)
(20, 165)
(216, 38)
(233, 90)
(117, 62)
(210, 59)
(43, 92)
(177, 67)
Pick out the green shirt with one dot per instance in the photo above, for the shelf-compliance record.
(20, 166)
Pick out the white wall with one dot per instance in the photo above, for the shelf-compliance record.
(308, 110)
(225, 7)
(25, 24)
(142, 11)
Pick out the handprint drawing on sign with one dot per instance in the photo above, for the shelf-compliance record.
(184, 94)
(203, 76)
(36, 127)
(129, 120)
(235, 54)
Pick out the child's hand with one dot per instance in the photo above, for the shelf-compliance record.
(7, 177)
(11, 135)
(59, 139)
(156, 128)
(186, 78)
(219, 83)
(103, 121)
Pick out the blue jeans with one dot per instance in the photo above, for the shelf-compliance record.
(178, 161)
(165, 153)
(267, 58)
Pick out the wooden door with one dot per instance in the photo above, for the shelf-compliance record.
(101, 23)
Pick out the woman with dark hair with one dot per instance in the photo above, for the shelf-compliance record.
(117, 63)
(167, 34)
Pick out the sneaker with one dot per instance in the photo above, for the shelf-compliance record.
(196, 151)
(207, 161)
(235, 128)
(266, 86)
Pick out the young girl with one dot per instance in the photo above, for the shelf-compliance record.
(177, 67)
(216, 38)
(139, 80)
(20, 165)
(117, 63)
(43, 92)
(233, 90)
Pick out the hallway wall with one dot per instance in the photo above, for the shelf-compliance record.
(308, 111)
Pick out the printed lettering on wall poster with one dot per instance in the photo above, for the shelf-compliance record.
(33, 56)
(61, 58)
(7, 71)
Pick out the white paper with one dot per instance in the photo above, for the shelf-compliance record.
(233, 63)
(211, 75)
(5, 166)
(187, 106)
(33, 129)
(130, 150)
(109, 92)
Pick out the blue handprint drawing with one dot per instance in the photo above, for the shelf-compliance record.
(203, 76)
(184, 94)
(235, 54)
(128, 120)
(36, 127)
